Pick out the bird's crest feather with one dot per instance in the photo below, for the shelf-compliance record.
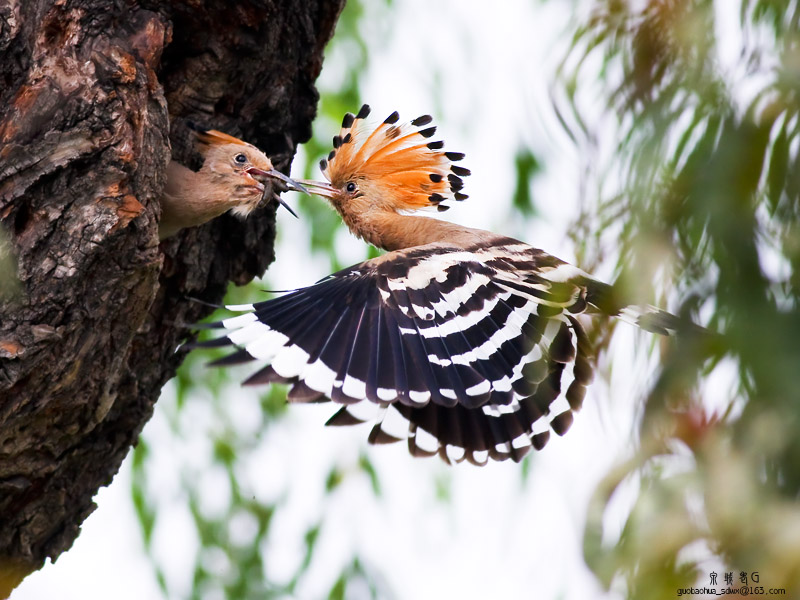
(401, 157)
(213, 137)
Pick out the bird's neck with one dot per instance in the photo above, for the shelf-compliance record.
(391, 231)
(190, 198)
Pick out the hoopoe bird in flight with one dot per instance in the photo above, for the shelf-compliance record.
(232, 179)
(464, 342)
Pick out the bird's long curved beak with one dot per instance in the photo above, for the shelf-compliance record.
(319, 188)
(290, 184)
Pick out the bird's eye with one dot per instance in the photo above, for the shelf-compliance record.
(351, 187)
(240, 158)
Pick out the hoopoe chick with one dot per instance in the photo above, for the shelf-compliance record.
(232, 178)
(463, 342)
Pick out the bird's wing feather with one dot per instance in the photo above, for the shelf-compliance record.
(464, 352)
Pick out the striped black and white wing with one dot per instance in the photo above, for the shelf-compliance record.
(464, 352)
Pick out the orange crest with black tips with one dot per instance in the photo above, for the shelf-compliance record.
(415, 172)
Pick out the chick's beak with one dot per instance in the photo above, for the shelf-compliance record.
(288, 184)
(291, 184)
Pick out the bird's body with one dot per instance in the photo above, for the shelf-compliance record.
(463, 341)
(180, 209)
(232, 178)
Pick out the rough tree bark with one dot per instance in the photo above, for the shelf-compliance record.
(89, 92)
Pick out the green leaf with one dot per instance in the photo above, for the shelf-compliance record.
(367, 466)
(527, 168)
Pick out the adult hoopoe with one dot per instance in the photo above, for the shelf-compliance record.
(232, 178)
(461, 340)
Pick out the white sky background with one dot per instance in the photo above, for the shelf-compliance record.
(497, 538)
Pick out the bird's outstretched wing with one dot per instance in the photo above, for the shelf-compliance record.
(463, 351)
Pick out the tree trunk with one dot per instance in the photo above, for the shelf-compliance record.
(89, 91)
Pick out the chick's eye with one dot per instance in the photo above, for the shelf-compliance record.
(240, 158)
(351, 187)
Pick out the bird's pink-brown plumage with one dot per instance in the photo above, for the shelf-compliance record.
(224, 183)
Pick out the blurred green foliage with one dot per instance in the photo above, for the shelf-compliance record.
(10, 288)
(527, 167)
(701, 198)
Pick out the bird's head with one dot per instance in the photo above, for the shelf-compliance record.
(393, 167)
(239, 170)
